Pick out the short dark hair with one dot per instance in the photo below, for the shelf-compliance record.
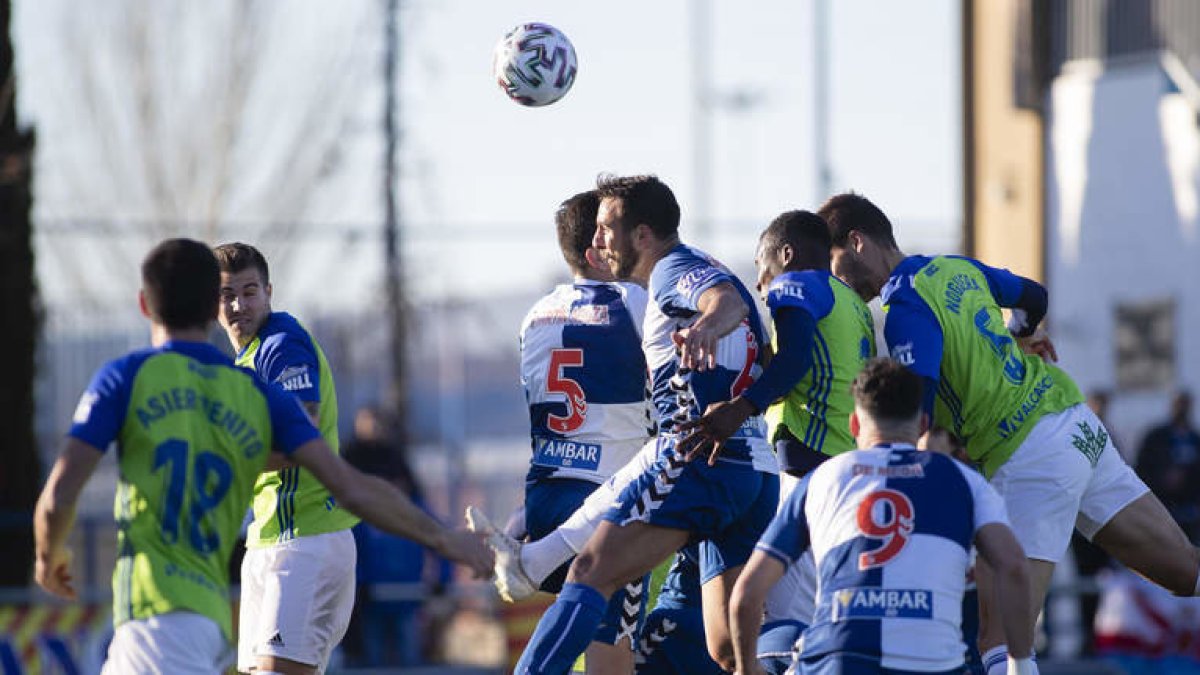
(646, 200)
(237, 257)
(887, 391)
(807, 234)
(181, 283)
(850, 211)
(576, 225)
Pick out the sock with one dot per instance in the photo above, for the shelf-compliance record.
(995, 660)
(564, 632)
(540, 558)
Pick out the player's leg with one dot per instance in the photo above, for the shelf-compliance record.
(723, 556)
(612, 557)
(305, 606)
(1122, 516)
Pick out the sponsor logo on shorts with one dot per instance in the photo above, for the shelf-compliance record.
(1091, 442)
(565, 454)
(882, 603)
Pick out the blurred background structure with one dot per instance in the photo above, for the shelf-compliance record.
(1060, 138)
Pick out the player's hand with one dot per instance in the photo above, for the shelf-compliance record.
(469, 549)
(1039, 344)
(697, 347)
(53, 573)
(707, 434)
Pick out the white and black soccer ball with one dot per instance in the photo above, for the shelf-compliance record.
(534, 64)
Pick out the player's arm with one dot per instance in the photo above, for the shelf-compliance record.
(383, 505)
(292, 363)
(914, 338)
(746, 607)
(368, 497)
(794, 328)
(54, 515)
(721, 308)
(1028, 302)
(1003, 554)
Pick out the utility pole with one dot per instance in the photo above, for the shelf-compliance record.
(391, 222)
(821, 101)
(702, 132)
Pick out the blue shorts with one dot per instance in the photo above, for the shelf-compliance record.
(548, 503)
(725, 507)
(775, 644)
(672, 643)
(844, 663)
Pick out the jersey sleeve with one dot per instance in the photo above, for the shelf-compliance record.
(787, 537)
(794, 329)
(683, 279)
(989, 505)
(101, 411)
(291, 362)
(914, 338)
(808, 291)
(1027, 298)
(290, 424)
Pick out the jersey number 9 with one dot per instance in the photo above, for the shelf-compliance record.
(888, 515)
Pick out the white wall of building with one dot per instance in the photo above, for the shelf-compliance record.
(1123, 151)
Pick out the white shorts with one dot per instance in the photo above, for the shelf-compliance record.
(176, 642)
(296, 599)
(1067, 474)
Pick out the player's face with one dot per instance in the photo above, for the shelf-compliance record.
(245, 304)
(769, 265)
(613, 239)
(861, 264)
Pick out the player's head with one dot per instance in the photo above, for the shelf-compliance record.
(576, 225)
(887, 403)
(863, 243)
(637, 215)
(245, 291)
(180, 285)
(793, 242)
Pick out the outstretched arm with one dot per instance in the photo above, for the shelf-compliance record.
(721, 310)
(54, 515)
(386, 507)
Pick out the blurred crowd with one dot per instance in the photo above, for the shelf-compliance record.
(1127, 620)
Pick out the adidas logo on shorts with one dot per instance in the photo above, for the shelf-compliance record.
(276, 641)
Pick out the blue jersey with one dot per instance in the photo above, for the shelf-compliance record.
(585, 380)
(891, 530)
(676, 284)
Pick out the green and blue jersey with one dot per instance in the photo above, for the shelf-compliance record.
(193, 432)
(290, 502)
(944, 322)
(826, 329)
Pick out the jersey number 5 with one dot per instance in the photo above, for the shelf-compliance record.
(557, 383)
(888, 515)
(211, 478)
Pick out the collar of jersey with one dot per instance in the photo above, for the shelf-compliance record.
(894, 446)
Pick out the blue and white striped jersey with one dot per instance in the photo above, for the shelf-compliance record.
(891, 530)
(676, 283)
(585, 380)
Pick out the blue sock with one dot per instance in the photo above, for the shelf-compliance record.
(564, 632)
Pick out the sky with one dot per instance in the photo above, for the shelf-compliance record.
(190, 126)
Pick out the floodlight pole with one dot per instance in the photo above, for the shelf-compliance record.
(821, 102)
(398, 391)
(702, 131)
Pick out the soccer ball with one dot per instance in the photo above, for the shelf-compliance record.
(534, 64)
